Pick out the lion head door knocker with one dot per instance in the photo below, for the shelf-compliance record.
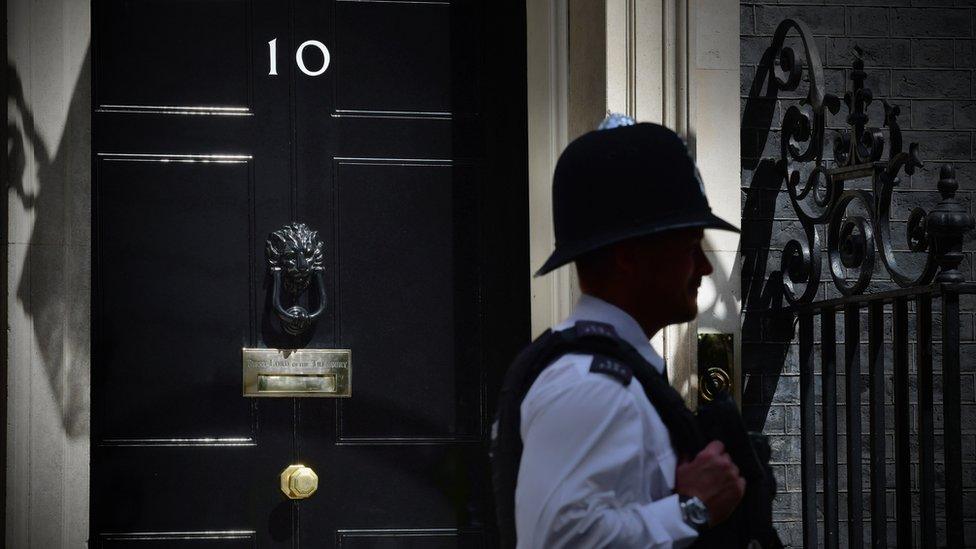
(295, 257)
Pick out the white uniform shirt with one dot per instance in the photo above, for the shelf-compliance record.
(597, 464)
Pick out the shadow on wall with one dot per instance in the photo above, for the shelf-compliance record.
(766, 321)
(714, 312)
(50, 193)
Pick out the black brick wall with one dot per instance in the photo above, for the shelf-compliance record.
(919, 54)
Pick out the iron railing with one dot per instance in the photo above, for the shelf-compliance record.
(916, 301)
(856, 221)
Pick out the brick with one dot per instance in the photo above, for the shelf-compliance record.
(793, 421)
(762, 45)
(781, 389)
(927, 177)
(758, 144)
(822, 20)
(933, 53)
(941, 145)
(753, 48)
(931, 84)
(933, 22)
(785, 448)
(835, 81)
(775, 235)
(931, 114)
(760, 114)
(747, 21)
(964, 52)
(767, 357)
(788, 505)
(879, 82)
(747, 81)
(867, 21)
(881, 52)
(967, 417)
(965, 114)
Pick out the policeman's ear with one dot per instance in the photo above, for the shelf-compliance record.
(638, 258)
(625, 257)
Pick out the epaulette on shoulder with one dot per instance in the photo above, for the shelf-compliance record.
(613, 368)
(593, 328)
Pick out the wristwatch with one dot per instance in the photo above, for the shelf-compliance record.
(694, 513)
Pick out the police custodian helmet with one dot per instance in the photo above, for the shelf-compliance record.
(621, 181)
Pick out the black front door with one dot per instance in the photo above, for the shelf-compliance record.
(396, 129)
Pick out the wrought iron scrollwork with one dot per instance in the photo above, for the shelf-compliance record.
(857, 221)
(296, 259)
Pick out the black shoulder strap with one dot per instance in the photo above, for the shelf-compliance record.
(612, 356)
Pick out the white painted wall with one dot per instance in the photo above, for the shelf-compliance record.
(48, 273)
(547, 59)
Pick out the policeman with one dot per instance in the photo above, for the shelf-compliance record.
(605, 459)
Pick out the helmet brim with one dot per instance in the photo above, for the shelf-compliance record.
(566, 254)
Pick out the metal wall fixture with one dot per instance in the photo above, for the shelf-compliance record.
(296, 259)
(857, 222)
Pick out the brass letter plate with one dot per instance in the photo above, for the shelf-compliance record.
(297, 372)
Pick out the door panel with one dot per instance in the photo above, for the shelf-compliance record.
(408, 285)
(159, 53)
(393, 57)
(408, 157)
(162, 350)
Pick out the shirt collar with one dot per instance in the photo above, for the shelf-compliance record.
(594, 308)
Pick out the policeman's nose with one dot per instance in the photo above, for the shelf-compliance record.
(704, 265)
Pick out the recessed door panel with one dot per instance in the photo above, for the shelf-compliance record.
(165, 53)
(407, 264)
(379, 44)
(174, 239)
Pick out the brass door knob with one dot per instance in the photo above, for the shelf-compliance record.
(299, 482)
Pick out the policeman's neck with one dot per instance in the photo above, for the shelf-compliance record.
(640, 307)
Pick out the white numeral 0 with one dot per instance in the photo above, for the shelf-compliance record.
(299, 57)
(300, 61)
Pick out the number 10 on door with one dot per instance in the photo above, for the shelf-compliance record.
(299, 57)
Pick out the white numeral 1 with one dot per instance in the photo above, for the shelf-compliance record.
(273, 54)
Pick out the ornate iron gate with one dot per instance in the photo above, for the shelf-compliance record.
(844, 206)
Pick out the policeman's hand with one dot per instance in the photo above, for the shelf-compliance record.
(713, 478)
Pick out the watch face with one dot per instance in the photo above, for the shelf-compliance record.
(697, 512)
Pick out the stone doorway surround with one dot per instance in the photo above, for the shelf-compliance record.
(48, 168)
(669, 61)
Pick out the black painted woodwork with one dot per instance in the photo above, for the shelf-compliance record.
(408, 155)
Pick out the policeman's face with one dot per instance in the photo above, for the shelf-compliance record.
(668, 269)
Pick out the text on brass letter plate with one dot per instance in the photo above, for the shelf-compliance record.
(297, 372)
